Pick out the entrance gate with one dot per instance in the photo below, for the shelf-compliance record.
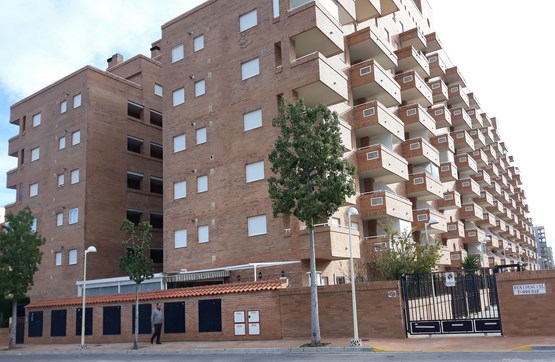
(451, 302)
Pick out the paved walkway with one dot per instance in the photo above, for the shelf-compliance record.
(421, 344)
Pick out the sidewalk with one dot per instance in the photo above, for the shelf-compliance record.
(421, 344)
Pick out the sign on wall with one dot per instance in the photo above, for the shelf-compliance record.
(529, 289)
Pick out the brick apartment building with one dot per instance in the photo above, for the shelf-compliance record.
(427, 154)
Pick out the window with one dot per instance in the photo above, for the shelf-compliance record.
(73, 216)
(178, 53)
(180, 238)
(255, 171)
(199, 88)
(156, 118)
(63, 107)
(414, 146)
(61, 180)
(408, 78)
(252, 120)
(77, 100)
(372, 155)
(201, 135)
(156, 185)
(179, 143)
(156, 151)
(275, 8)
(198, 43)
(436, 85)
(74, 176)
(411, 112)
(247, 21)
(257, 225)
(134, 110)
(376, 201)
(250, 68)
(35, 153)
(369, 112)
(134, 144)
(33, 190)
(365, 70)
(34, 226)
(178, 96)
(158, 90)
(72, 257)
(58, 258)
(75, 138)
(202, 234)
(62, 142)
(202, 184)
(134, 180)
(134, 216)
(179, 190)
(418, 180)
(59, 219)
(157, 220)
(422, 217)
(36, 119)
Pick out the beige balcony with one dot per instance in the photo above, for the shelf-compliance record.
(366, 44)
(455, 230)
(488, 222)
(12, 178)
(478, 137)
(453, 75)
(346, 11)
(448, 172)
(437, 66)
(463, 142)
(475, 117)
(333, 242)
(314, 30)
(500, 226)
(471, 211)
(460, 119)
(370, 80)
(457, 96)
(465, 163)
(485, 200)
(494, 243)
(370, 9)
(451, 201)
(410, 59)
(481, 158)
(413, 38)
(443, 142)
(492, 170)
(442, 116)
(423, 216)
(482, 178)
(497, 207)
(473, 101)
(439, 90)
(424, 187)
(418, 150)
(457, 257)
(468, 187)
(382, 164)
(495, 190)
(433, 44)
(414, 89)
(318, 82)
(474, 236)
(373, 118)
(378, 205)
(416, 119)
(486, 120)
(488, 135)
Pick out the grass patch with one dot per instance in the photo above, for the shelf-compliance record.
(321, 344)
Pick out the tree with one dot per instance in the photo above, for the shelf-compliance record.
(20, 256)
(135, 263)
(312, 178)
(471, 262)
(405, 256)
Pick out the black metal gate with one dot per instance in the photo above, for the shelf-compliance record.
(451, 302)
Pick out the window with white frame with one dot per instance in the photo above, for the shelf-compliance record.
(250, 68)
(178, 96)
(179, 190)
(252, 120)
(369, 112)
(178, 53)
(448, 197)
(35, 153)
(73, 216)
(180, 238)
(254, 171)
(36, 119)
(62, 142)
(77, 100)
(34, 226)
(247, 21)
(74, 176)
(198, 43)
(199, 88)
(354, 225)
(158, 90)
(202, 232)
(422, 217)
(257, 225)
(58, 258)
(61, 180)
(60, 219)
(75, 138)
(179, 143)
(418, 180)
(63, 107)
(72, 257)
(376, 201)
(201, 135)
(414, 146)
(202, 184)
(372, 155)
(33, 189)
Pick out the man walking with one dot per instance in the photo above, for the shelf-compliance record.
(156, 320)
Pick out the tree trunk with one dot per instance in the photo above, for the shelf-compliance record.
(136, 332)
(13, 330)
(315, 319)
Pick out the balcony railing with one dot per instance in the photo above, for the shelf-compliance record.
(369, 80)
(418, 150)
(442, 116)
(481, 158)
(471, 211)
(414, 88)
(366, 44)
(439, 90)
(373, 118)
(410, 59)
(413, 38)
(483, 178)
(379, 205)
(433, 44)
(465, 163)
(460, 119)
(463, 142)
(424, 187)
(457, 96)
(451, 201)
(416, 119)
(437, 66)
(448, 172)
(382, 164)
(468, 187)
(455, 230)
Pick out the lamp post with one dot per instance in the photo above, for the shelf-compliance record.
(90, 249)
(356, 341)
(483, 249)
(432, 221)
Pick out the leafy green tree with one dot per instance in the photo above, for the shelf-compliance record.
(20, 256)
(405, 256)
(312, 177)
(471, 262)
(135, 262)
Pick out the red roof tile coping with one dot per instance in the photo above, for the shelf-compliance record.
(245, 287)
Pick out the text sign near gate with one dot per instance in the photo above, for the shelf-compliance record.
(529, 289)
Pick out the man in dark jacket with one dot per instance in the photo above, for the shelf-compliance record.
(156, 320)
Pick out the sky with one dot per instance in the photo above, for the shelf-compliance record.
(499, 47)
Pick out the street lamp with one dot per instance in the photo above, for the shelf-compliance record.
(432, 221)
(90, 249)
(483, 249)
(356, 341)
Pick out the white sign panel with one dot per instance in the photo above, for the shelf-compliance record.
(240, 329)
(450, 279)
(529, 289)
(239, 317)
(254, 329)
